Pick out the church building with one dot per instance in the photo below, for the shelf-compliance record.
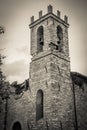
(56, 98)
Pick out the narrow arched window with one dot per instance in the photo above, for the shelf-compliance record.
(40, 39)
(39, 105)
(16, 126)
(60, 38)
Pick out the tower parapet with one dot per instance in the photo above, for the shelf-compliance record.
(40, 14)
(49, 14)
(50, 9)
(58, 13)
(32, 19)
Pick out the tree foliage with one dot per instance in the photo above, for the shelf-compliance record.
(1, 30)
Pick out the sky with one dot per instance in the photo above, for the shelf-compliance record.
(15, 42)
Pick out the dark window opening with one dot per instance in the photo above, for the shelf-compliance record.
(39, 105)
(16, 126)
(60, 38)
(59, 46)
(40, 39)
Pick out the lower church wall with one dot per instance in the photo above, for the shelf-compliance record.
(81, 105)
(19, 110)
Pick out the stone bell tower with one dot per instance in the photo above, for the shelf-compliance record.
(50, 82)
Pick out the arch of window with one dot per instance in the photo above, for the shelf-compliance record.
(16, 126)
(39, 105)
(40, 39)
(60, 38)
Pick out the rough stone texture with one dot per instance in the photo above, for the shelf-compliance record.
(50, 35)
(80, 98)
(18, 110)
(81, 105)
(50, 74)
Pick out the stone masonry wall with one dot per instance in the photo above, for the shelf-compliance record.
(57, 89)
(50, 35)
(62, 92)
(81, 105)
(18, 110)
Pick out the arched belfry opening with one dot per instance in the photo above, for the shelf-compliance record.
(40, 39)
(60, 38)
(39, 105)
(16, 126)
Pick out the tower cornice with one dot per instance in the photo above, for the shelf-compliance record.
(46, 16)
(51, 52)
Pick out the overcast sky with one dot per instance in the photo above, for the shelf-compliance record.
(15, 17)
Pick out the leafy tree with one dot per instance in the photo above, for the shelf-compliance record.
(1, 30)
(4, 89)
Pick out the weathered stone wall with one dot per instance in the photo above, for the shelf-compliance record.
(40, 79)
(51, 74)
(62, 91)
(81, 105)
(50, 35)
(18, 110)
